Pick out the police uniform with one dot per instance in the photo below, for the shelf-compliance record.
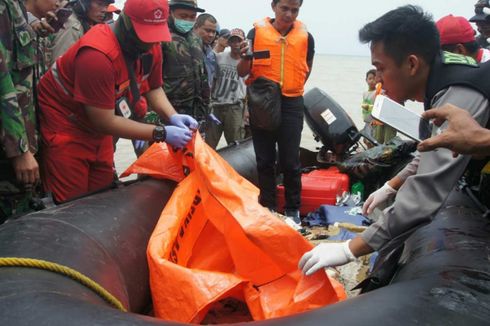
(17, 119)
(62, 40)
(453, 80)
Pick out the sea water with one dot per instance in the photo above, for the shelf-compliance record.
(342, 77)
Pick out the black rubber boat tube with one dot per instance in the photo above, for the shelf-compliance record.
(444, 278)
(103, 237)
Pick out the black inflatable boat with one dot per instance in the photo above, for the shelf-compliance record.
(442, 276)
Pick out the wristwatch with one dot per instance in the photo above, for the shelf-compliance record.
(159, 134)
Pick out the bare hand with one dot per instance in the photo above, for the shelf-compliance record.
(50, 17)
(26, 169)
(246, 116)
(461, 136)
(42, 27)
(244, 47)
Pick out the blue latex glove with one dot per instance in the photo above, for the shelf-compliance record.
(178, 137)
(139, 144)
(183, 121)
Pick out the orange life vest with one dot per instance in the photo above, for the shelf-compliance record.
(287, 63)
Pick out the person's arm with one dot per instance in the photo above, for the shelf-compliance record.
(310, 66)
(333, 254)
(106, 122)
(409, 170)
(40, 25)
(14, 135)
(158, 101)
(205, 86)
(390, 188)
(13, 126)
(310, 55)
(94, 88)
(482, 143)
(423, 194)
(245, 65)
(463, 134)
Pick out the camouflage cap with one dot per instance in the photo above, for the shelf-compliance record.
(185, 4)
(482, 12)
(237, 32)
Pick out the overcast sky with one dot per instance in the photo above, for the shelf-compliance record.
(334, 24)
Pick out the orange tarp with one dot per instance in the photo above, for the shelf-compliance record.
(214, 241)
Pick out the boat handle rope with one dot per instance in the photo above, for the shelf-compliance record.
(65, 271)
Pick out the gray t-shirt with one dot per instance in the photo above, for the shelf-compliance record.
(228, 88)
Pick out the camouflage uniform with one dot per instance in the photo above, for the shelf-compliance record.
(43, 58)
(43, 55)
(184, 74)
(17, 114)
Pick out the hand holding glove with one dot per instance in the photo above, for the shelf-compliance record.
(177, 137)
(326, 255)
(183, 121)
(379, 196)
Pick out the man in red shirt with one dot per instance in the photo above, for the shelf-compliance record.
(457, 36)
(108, 68)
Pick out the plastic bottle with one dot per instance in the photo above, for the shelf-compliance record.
(358, 188)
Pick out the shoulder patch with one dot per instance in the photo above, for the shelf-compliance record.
(449, 58)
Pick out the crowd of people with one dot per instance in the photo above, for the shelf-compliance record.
(73, 80)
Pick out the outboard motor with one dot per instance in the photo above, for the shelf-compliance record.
(330, 123)
(334, 128)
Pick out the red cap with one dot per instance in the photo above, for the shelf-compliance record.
(149, 19)
(114, 9)
(454, 30)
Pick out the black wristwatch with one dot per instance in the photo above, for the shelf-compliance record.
(159, 134)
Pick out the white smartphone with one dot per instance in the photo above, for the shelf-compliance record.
(406, 121)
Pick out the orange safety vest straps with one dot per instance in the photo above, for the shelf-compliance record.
(287, 63)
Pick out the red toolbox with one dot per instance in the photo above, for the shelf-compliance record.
(320, 187)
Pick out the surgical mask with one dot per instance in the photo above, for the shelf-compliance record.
(183, 26)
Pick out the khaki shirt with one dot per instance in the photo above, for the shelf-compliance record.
(68, 35)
